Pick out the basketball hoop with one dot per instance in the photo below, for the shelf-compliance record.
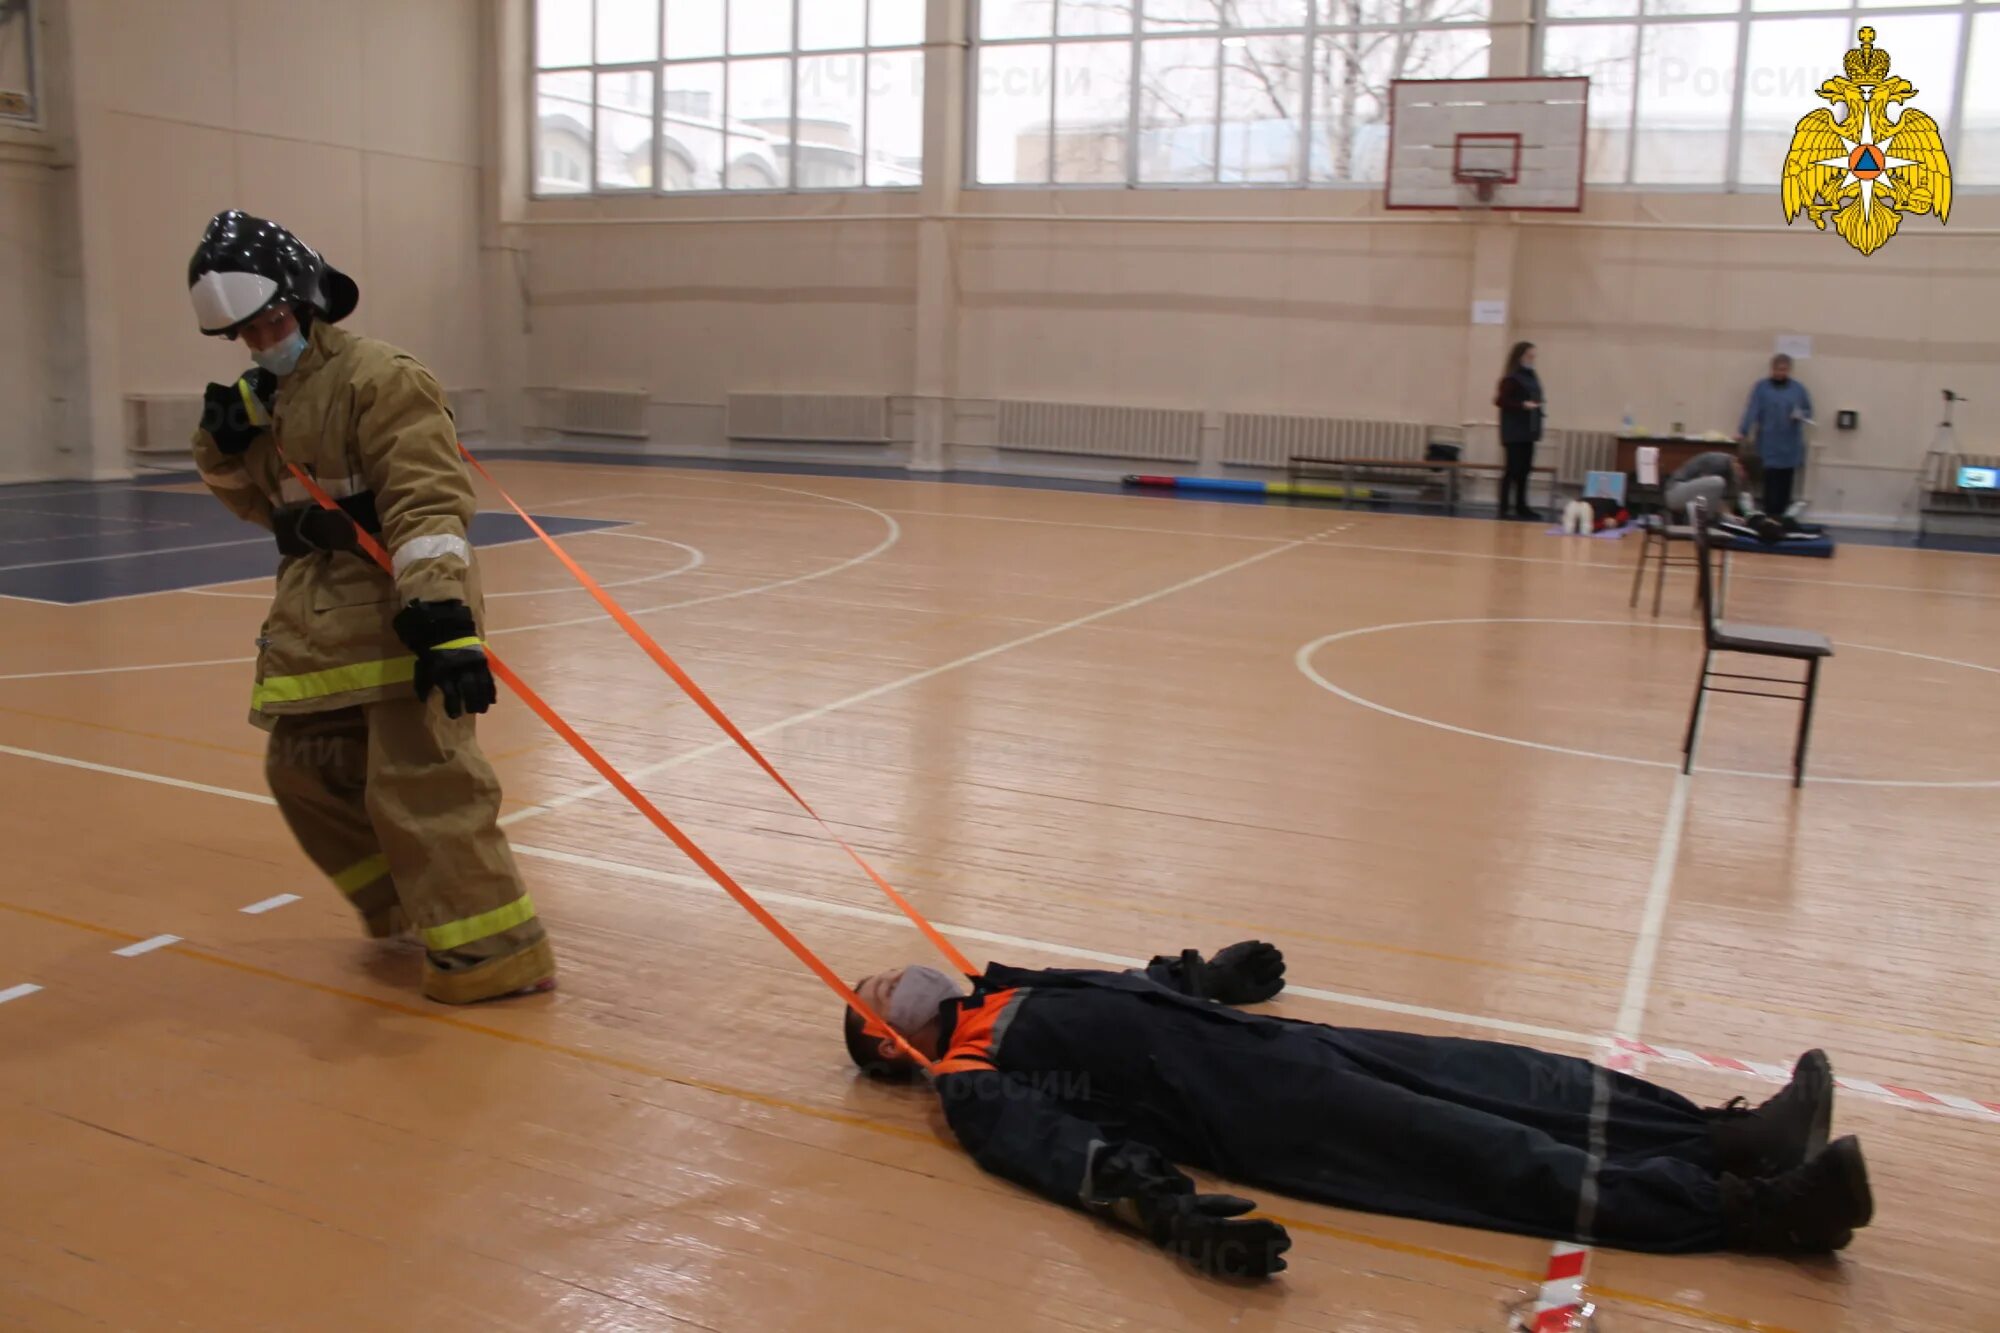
(1477, 184)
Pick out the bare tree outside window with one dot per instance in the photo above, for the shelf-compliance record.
(1217, 91)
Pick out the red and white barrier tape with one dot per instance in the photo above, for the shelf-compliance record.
(1890, 1092)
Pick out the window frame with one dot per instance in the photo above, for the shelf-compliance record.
(1309, 32)
(31, 117)
(1951, 118)
(661, 64)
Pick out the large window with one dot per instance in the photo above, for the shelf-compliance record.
(1203, 92)
(1707, 93)
(727, 95)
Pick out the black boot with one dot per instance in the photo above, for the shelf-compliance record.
(1782, 1133)
(1812, 1210)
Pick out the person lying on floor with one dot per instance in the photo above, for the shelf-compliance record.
(1088, 1087)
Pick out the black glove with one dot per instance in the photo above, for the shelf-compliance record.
(1135, 1185)
(226, 417)
(1246, 973)
(449, 658)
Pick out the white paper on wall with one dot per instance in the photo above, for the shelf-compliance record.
(1647, 460)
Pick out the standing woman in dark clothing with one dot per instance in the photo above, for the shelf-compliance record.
(1520, 402)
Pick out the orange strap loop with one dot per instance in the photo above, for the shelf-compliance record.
(541, 708)
(666, 663)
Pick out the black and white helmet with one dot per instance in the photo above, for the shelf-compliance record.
(245, 263)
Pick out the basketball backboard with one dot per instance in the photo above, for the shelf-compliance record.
(1500, 143)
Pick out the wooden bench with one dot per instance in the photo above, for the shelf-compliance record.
(1436, 482)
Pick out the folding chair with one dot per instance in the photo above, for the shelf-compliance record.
(1723, 636)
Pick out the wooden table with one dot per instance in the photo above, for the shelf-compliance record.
(1674, 451)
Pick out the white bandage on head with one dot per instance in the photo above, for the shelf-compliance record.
(917, 996)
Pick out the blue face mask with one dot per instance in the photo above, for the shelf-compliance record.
(281, 358)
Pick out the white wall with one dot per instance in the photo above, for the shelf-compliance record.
(1362, 315)
(355, 124)
(27, 261)
(1677, 325)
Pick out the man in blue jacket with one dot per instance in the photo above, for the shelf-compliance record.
(1090, 1087)
(1778, 409)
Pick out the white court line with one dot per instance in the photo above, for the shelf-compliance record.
(1302, 659)
(886, 917)
(1765, 1072)
(147, 946)
(695, 560)
(1646, 948)
(829, 908)
(914, 678)
(276, 901)
(889, 539)
(669, 496)
(134, 555)
(65, 761)
(20, 992)
(1625, 567)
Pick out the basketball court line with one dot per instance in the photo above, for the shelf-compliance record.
(1735, 574)
(129, 555)
(1949, 1104)
(645, 771)
(602, 1059)
(890, 539)
(1302, 659)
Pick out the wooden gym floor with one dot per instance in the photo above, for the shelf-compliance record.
(1435, 760)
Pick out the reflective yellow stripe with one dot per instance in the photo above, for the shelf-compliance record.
(258, 416)
(334, 680)
(454, 933)
(361, 874)
(459, 643)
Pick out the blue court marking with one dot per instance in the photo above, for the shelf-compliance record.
(73, 544)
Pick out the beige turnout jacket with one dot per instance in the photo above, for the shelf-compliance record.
(360, 417)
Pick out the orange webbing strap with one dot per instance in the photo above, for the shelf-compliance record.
(666, 663)
(645, 807)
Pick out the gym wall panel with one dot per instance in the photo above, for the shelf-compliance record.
(164, 180)
(355, 124)
(173, 59)
(689, 313)
(298, 70)
(420, 76)
(418, 263)
(27, 257)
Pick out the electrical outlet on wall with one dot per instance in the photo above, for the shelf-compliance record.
(1846, 419)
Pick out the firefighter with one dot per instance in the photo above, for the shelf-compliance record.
(367, 683)
(1089, 1087)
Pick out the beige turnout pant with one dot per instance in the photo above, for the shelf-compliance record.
(394, 802)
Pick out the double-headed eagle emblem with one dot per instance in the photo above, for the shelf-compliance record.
(1861, 168)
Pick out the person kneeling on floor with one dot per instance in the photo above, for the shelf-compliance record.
(389, 796)
(1090, 1087)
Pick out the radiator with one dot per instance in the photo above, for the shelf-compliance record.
(1171, 434)
(1575, 452)
(830, 418)
(600, 412)
(1259, 439)
(158, 424)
